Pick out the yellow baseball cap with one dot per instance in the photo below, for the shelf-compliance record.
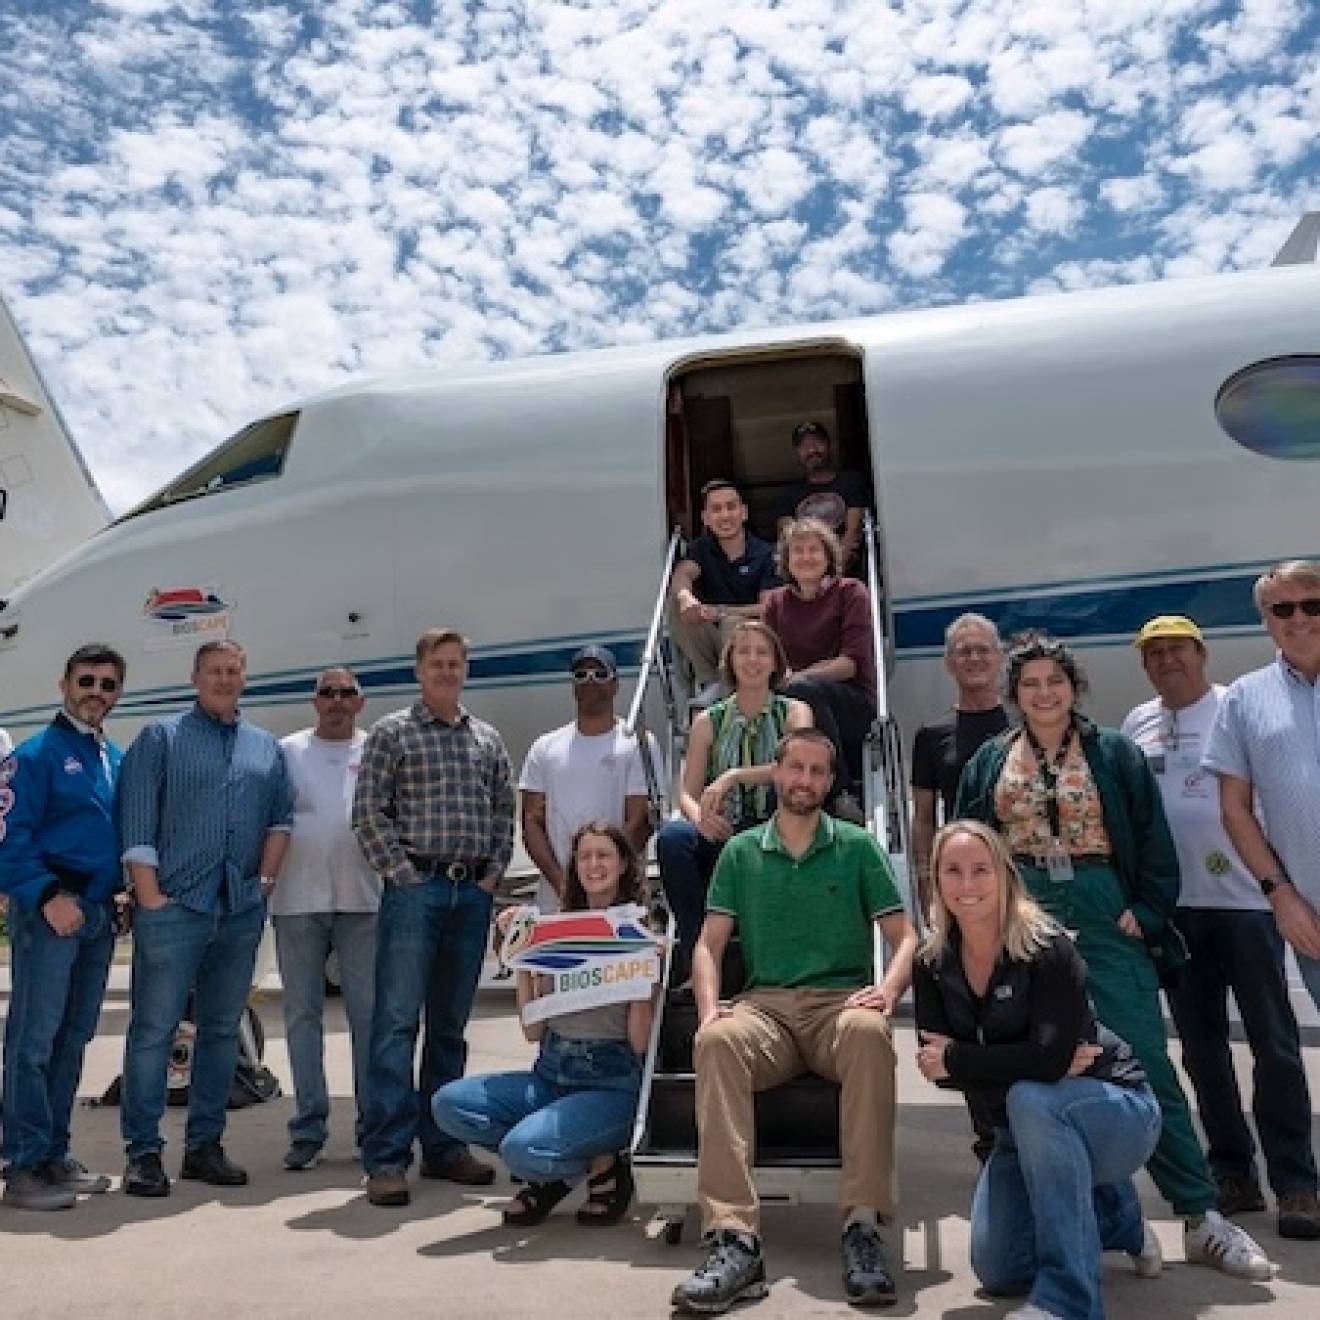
(1168, 625)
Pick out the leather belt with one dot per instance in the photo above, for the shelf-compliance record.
(457, 872)
(1041, 860)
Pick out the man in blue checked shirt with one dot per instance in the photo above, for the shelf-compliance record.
(59, 869)
(205, 809)
(433, 813)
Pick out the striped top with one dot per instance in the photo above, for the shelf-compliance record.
(432, 789)
(197, 797)
(1268, 733)
(738, 743)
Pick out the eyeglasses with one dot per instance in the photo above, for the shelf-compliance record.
(1285, 609)
(88, 681)
(329, 693)
(591, 676)
(973, 652)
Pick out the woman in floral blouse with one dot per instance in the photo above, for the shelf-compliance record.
(1080, 811)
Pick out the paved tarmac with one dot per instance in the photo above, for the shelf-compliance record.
(309, 1245)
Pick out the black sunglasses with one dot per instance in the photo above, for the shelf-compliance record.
(88, 681)
(1285, 609)
(591, 676)
(345, 692)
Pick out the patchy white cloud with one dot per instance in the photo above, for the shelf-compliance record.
(207, 210)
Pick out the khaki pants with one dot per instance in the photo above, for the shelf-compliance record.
(702, 643)
(771, 1037)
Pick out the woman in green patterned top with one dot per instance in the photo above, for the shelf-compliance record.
(726, 775)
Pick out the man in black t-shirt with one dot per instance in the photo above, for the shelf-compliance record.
(837, 498)
(974, 656)
(721, 579)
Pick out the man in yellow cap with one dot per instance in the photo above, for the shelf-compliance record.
(1235, 945)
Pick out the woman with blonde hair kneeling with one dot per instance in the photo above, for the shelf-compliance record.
(1002, 1015)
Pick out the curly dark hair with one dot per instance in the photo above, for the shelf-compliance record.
(630, 879)
(1029, 646)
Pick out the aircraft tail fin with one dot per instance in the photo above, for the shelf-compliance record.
(1302, 246)
(48, 500)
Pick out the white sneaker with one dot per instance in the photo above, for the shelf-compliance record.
(1149, 1261)
(1221, 1243)
(1031, 1312)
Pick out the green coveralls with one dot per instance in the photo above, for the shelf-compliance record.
(1121, 980)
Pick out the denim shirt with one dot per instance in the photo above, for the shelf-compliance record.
(197, 797)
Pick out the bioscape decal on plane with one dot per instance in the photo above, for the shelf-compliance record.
(178, 617)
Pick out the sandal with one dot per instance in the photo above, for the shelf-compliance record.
(534, 1203)
(609, 1194)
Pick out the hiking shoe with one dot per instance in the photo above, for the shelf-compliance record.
(462, 1168)
(1299, 1216)
(303, 1153)
(1149, 1261)
(210, 1164)
(866, 1277)
(1221, 1243)
(74, 1177)
(1238, 1194)
(388, 1187)
(27, 1189)
(145, 1176)
(733, 1271)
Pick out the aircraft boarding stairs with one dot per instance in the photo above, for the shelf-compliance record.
(797, 1124)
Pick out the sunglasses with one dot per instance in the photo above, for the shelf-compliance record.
(88, 681)
(591, 676)
(1285, 609)
(329, 693)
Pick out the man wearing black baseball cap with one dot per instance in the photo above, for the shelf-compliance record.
(587, 770)
(837, 497)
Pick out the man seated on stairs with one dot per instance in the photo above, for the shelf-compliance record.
(804, 892)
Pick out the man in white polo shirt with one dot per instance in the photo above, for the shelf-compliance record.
(587, 770)
(326, 900)
(1234, 945)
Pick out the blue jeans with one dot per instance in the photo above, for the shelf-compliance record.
(687, 861)
(1242, 951)
(578, 1102)
(430, 941)
(58, 982)
(177, 951)
(1057, 1191)
(302, 944)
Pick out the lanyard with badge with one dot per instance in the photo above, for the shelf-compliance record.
(1058, 864)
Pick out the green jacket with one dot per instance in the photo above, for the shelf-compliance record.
(1144, 855)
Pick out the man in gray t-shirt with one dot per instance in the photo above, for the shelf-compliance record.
(325, 901)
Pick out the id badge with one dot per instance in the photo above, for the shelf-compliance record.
(1058, 864)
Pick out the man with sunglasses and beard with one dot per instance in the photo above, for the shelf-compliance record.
(588, 770)
(1265, 750)
(326, 901)
(59, 869)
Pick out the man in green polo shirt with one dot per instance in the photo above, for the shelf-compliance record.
(805, 892)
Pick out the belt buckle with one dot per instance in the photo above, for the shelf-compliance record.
(458, 872)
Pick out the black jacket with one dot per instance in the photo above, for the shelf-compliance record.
(1026, 1027)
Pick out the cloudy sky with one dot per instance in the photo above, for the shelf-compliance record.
(207, 209)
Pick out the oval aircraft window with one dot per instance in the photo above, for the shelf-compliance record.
(1273, 407)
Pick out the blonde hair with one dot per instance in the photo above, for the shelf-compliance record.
(1306, 572)
(798, 530)
(1024, 927)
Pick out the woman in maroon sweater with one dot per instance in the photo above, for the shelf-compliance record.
(824, 621)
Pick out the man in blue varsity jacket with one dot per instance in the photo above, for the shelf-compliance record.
(60, 870)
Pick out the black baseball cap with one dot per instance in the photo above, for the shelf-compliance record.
(602, 655)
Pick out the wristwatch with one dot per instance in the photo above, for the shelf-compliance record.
(267, 883)
(1270, 883)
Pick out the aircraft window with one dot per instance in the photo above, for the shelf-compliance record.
(1273, 407)
(256, 453)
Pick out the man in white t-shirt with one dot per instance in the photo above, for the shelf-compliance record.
(1234, 945)
(588, 770)
(326, 900)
